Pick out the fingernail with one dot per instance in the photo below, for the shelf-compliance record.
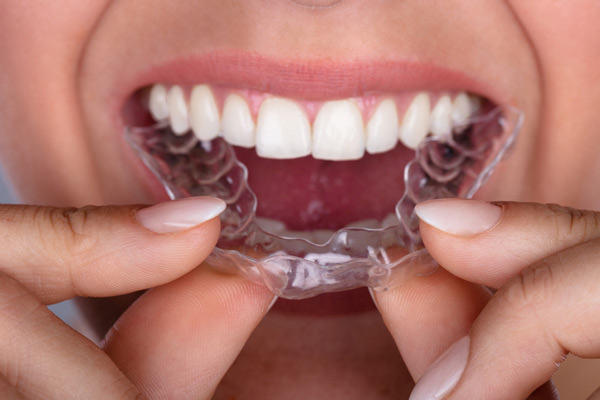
(459, 216)
(275, 298)
(181, 214)
(444, 373)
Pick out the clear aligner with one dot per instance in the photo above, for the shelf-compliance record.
(294, 267)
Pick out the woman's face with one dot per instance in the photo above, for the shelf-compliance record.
(69, 68)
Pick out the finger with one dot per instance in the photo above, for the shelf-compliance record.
(428, 313)
(524, 333)
(177, 341)
(104, 251)
(488, 243)
(42, 358)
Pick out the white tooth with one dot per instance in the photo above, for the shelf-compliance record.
(382, 129)
(415, 124)
(238, 126)
(178, 111)
(338, 132)
(159, 108)
(389, 220)
(282, 130)
(441, 117)
(475, 104)
(269, 225)
(204, 115)
(365, 224)
(461, 109)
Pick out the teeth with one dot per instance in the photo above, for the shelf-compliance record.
(461, 109)
(159, 108)
(238, 126)
(382, 129)
(441, 121)
(178, 112)
(338, 132)
(282, 130)
(204, 115)
(415, 124)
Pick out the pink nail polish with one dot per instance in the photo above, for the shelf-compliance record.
(444, 373)
(181, 214)
(459, 216)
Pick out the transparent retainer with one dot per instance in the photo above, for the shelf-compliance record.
(296, 268)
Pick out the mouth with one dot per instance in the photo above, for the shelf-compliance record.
(321, 188)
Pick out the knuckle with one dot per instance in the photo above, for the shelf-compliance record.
(70, 229)
(571, 223)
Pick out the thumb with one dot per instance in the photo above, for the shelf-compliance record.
(104, 251)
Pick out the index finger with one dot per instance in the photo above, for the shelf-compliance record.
(59, 253)
(488, 243)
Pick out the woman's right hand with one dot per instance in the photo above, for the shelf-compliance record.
(176, 341)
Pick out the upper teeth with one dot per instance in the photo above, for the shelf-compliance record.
(283, 130)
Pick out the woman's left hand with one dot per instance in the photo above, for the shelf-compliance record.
(543, 261)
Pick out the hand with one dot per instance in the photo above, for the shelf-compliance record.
(542, 259)
(48, 255)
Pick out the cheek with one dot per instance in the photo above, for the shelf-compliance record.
(565, 37)
(42, 142)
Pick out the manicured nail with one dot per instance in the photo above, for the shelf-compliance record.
(444, 373)
(459, 216)
(275, 298)
(181, 214)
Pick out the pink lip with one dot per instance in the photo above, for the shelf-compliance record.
(313, 79)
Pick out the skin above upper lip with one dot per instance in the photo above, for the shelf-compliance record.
(194, 45)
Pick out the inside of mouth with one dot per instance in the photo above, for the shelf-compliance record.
(304, 226)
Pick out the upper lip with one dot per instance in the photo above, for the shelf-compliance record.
(311, 79)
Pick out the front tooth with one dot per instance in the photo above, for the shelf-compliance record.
(282, 130)
(461, 109)
(338, 132)
(382, 129)
(204, 115)
(441, 117)
(159, 108)
(178, 111)
(415, 124)
(238, 126)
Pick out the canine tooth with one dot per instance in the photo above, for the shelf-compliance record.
(338, 132)
(159, 108)
(178, 111)
(282, 130)
(461, 108)
(238, 126)
(415, 124)
(382, 129)
(204, 115)
(441, 117)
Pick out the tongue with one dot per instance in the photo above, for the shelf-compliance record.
(308, 194)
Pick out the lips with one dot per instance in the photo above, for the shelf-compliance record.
(326, 190)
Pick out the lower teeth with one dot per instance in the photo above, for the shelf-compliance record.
(297, 267)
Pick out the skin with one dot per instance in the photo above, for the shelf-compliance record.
(63, 65)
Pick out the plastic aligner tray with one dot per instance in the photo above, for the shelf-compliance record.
(296, 268)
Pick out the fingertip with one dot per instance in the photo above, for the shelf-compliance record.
(179, 215)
